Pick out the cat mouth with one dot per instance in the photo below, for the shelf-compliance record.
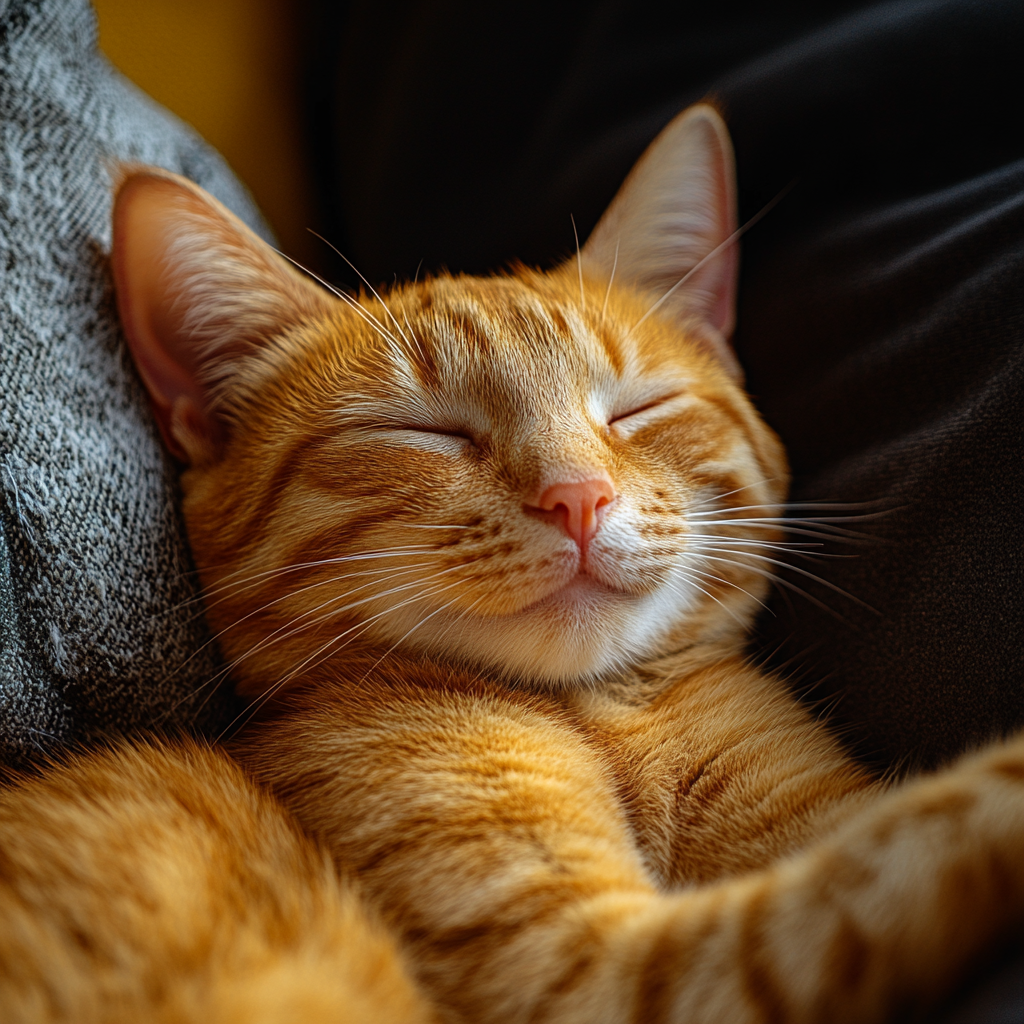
(581, 593)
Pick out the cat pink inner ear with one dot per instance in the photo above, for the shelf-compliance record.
(151, 299)
(676, 207)
(199, 295)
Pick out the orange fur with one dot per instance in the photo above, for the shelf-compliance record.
(159, 884)
(535, 745)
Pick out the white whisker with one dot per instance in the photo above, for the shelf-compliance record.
(820, 506)
(294, 593)
(611, 277)
(362, 627)
(358, 629)
(713, 598)
(410, 631)
(721, 247)
(318, 583)
(809, 528)
(366, 315)
(395, 551)
(415, 337)
(297, 624)
(373, 291)
(704, 574)
(579, 262)
(736, 490)
(786, 583)
(801, 549)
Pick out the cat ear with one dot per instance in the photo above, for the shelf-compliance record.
(675, 207)
(199, 293)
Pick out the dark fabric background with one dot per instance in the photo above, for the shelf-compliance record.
(881, 305)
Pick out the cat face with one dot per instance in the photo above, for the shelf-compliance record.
(537, 474)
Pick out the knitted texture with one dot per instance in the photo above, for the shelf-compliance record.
(101, 631)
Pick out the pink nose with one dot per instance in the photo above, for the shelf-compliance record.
(577, 507)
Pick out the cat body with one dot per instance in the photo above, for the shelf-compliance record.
(484, 557)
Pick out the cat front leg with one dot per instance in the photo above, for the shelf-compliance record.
(721, 770)
(881, 920)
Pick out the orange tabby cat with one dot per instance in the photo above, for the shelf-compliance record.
(486, 556)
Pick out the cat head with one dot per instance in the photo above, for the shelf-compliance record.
(543, 475)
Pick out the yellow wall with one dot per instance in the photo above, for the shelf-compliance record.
(229, 68)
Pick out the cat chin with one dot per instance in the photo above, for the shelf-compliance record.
(570, 639)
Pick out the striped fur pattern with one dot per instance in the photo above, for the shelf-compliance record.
(484, 557)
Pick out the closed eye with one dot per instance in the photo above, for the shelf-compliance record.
(646, 407)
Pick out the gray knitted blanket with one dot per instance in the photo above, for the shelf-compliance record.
(100, 629)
